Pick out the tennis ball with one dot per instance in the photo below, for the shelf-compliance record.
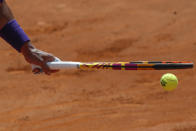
(169, 81)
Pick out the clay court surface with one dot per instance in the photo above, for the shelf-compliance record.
(101, 30)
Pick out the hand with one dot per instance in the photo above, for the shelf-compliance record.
(37, 57)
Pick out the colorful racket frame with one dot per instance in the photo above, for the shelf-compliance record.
(137, 65)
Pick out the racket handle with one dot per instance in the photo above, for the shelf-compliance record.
(63, 65)
(37, 69)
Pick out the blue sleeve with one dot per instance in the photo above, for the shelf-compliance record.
(14, 35)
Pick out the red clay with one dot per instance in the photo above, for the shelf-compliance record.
(101, 30)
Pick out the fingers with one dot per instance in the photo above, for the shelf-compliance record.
(38, 57)
(48, 58)
(37, 70)
(45, 67)
(47, 70)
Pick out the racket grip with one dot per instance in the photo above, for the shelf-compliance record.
(55, 65)
(38, 70)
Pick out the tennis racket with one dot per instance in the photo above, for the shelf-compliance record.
(135, 65)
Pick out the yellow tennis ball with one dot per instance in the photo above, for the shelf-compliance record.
(169, 81)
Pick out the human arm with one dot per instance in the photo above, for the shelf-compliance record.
(11, 32)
